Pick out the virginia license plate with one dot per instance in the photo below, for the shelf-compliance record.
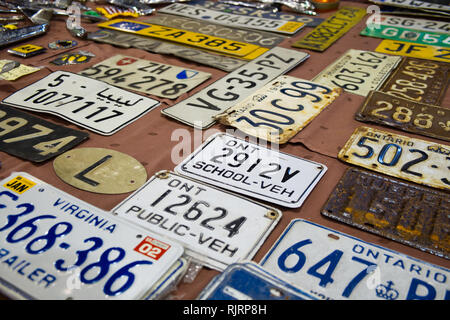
(410, 23)
(358, 71)
(399, 156)
(407, 49)
(146, 76)
(89, 103)
(244, 167)
(54, 246)
(200, 109)
(337, 266)
(280, 109)
(216, 228)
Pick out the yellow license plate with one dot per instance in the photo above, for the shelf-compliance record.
(326, 33)
(414, 50)
(200, 40)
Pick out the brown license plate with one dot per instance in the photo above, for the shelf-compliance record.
(419, 80)
(406, 115)
(403, 212)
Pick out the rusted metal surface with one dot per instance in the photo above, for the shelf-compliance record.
(404, 212)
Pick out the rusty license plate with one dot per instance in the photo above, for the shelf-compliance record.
(408, 213)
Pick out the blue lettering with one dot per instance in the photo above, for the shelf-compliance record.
(414, 288)
(356, 246)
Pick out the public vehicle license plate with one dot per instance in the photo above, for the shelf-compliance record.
(249, 281)
(280, 109)
(89, 103)
(145, 76)
(234, 20)
(398, 210)
(406, 115)
(55, 246)
(410, 23)
(247, 168)
(216, 227)
(338, 266)
(411, 159)
(200, 109)
(407, 49)
(358, 71)
(34, 139)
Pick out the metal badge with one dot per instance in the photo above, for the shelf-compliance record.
(421, 51)
(280, 109)
(62, 44)
(400, 156)
(73, 58)
(333, 28)
(27, 50)
(403, 212)
(424, 119)
(20, 34)
(100, 170)
(114, 12)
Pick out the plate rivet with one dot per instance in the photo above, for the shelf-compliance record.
(163, 175)
(272, 214)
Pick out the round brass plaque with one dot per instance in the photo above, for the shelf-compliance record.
(100, 170)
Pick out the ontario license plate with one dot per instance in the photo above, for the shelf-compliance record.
(407, 49)
(89, 103)
(410, 23)
(31, 138)
(280, 109)
(54, 246)
(200, 109)
(146, 76)
(337, 266)
(358, 71)
(234, 20)
(216, 228)
(411, 159)
(247, 168)
(406, 115)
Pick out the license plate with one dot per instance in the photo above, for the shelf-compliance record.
(249, 281)
(419, 80)
(89, 103)
(234, 20)
(185, 37)
(411, 159)
(216, 228)
(333, 28)
(280, 109)
(410, 23)
(200, 109)
(407, 49)
(145, 76)
(15, 35)
(338, 266)
(403, 212)
(406, 115)
(167, 282)
(34, 139)
(413, 4)
(54, 246)
(358, 71)
(247, 168)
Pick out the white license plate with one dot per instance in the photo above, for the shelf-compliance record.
(247, 168)
(200, 109)
(358, 71)
(216, 228)
(413, 4)
(334, 265)
(54, 246)
(170, 279)
(145, 76)
(280, 109)
(89, 103)
(410, 23)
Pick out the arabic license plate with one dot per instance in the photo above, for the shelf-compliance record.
(279, 110)
(234, 20)
(410, 23)
(419, 80)
(413, 4)
(411, 159)
(406, 115)
(358, 71)
(247, 168)
(404, 212)
(216, 228)
(89, 103)
(185, 37)
(54, 246)
(200, 109)
(333, 28)
(407, 49)
(338, 266)
(35, 139)
(249, 281)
